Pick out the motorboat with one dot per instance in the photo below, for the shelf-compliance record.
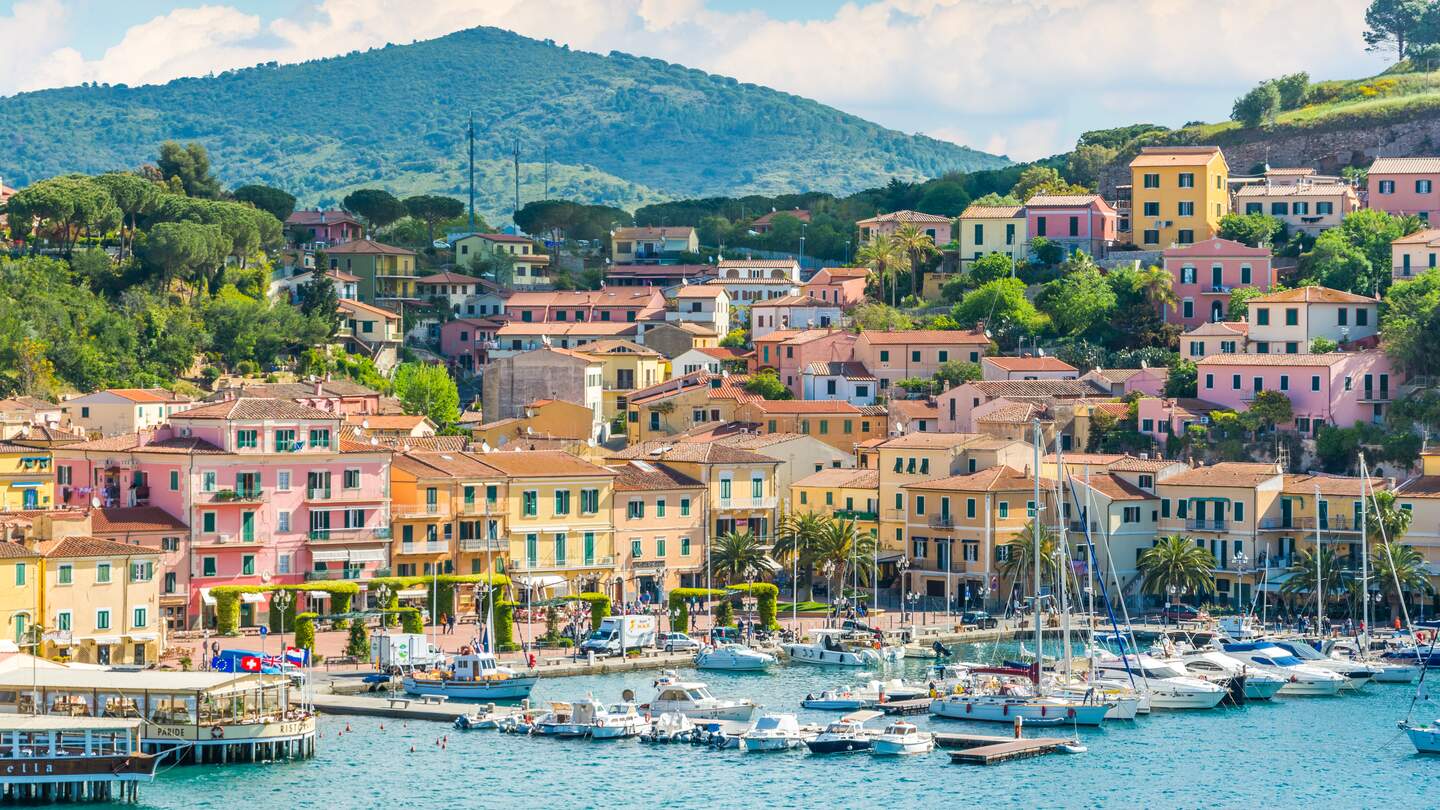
(1426, 739)
(1356, 674)
(669, 727)
(693, 699)
(1386, 669)
(830, 646)
(872, 693)
(618, 721)
(1301, 678)
(1169, 686)
(484, 717)
(902, 738)
(1254, 684)
(1000, 694)
(1127, 701)
(733, 657)
(773, 732)
(471, 676)
(568, 719)
(843, 735)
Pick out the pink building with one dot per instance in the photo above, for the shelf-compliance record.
(1076, 221)
(465, 342)
(1121, 381)
(1162, 417)
(893, 356)
(839, 285)
(960, 406)
(623, 305)
(329, 227)
(1203, 274)
(1026, 368)
(270, 491)
(1339, 388)
(1405, 185)
(789, 351)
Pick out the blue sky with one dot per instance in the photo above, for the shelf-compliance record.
(1018, 77)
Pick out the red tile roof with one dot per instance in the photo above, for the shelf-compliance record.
(253, 408)
(92, 547)
(121, 520)
(367, 247)
(1029, 363)
(925, 337)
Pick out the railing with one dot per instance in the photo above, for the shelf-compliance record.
(484, 544)
(852, 514)
(349, 535)
(1200, 524)
(481, 508)
(420, 510)
(215, 539)
(427, 547)
(942, 522)
(896, 515)
(1078, 526)
(1371, 396)
(1219, 288)
(748, 503)
(530, 566)
(248, 495)
(1333, 523)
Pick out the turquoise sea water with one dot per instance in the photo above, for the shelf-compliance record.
(1320, 752)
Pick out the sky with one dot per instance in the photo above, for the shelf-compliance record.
(1016, 77)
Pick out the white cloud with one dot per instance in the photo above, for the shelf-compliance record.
(1026, 74)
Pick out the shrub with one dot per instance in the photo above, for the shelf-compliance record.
(305, 632)
(767, 596)
(410, 621)
(725, 614)
(504, 629)
(358, 644)
(680, 605)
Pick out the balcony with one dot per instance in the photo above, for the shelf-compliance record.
(350, 535)
(1219, 289)
(498, 544)
(748, 503)
(1210, 525)
(427, 547)
(942, 521)
(481, 508)
(893, 515)
(216, 539)
(567, 564)
(236, 496)
(1078, 527)
(1369, 395)
(423, 510)
(852, 514)
(328, 495)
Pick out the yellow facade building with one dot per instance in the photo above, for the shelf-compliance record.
(846, 494)
(1179, 195)
(659, 517)
(628, 367)
(27, 478)
(101, 601)
(447, 512)
(20, 577)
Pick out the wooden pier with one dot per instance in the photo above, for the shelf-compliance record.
(401, 707)
(979, 749)
(905, 707)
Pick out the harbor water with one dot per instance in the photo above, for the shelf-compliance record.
(1324, 752)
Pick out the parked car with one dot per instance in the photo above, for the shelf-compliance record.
(677, 642)
(1180, 613)
(980, 619)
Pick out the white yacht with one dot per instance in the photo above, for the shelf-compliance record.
(1215, 666)
(618, 721)
(693, 699)
(844, 735)
(1169, 686)
(1127, 701)
(830, 647)
(733, 657)
(1301, 678)
(476, 676)
(1387, 670)
(902, 738)
(669, 727)
(773, 732)
(568, 719)
(1356, 674)
(999, 695)
(872, 693)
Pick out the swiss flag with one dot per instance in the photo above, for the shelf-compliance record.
(250, 663)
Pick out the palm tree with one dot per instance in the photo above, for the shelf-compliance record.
(882, 255)
(1301, 582)
(1398, 569)
(1158, 287)
(1384, 514)
(915, 245)
(1177, 562)
(838, 548)
(796, 538)
(1019, 564)
(738, 557)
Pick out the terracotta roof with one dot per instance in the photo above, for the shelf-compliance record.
(675, 232)
(930, 441)
(567, 328)
(731, 386)
(119, 520)
(377, 421)
(1312, 295)
(641, 476)
(446, 464)
(1290, 172)
(1421, 237)
(1064, 389)
(1194, 406)
(993, 212)
(498, 237)
(1215, 247)
(850, 370)
(1328, 359)
(995, 479)
(1113, 487)
(617, 347)
(255, 408)
(695, 329)
(1225, 474)
(15, 551)
(905, 216)
(145, 395)
(313, 217)
(92, 547)
(915, 408)
(1134, 464)
(841, 273)
(699, 291)
(447, 278)
(1221, 328)
(1065, 200)
(367, 247)
(370, 309)
(1029, 363)
(758, 263)
(740, 282)
(1423, 486)
(841, 477)
(692, 452)
(806, 406)
(1330, 485)
(296, 390)
(449, 444)
(544, 463)
(1014, 413)
(925, 336)
(1267, 191)
(1084, 458)
(1405, 165)
(341, 275)
(1120, 375)
(799, 213)
(608, 297)
(1119, 410)
(1158, 156)
(722, 352)
(130, 442)
(795, 300)
(754, 441)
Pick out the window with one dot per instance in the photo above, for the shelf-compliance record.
(1362, 316)
(1254, 208)
(684, 507)
(1185, 209)
(1209, 380)
(725, 488)
(1150, 181)
(319, 437)
(1074, 226)
(247, 565)
(1004, 510)
(1422, 186)
(1187, 180)
(757, 488)
(685, 547)
(207, 566)
(530, 503)
(1188, 308)
(65, 575)
(1292, 316)
(282, 480)
(635, 510)
(283, 521)
(1150, 237)
(246, 439)
(102, 573)
(660, 508)
(1262, 316)
(1240, 512)
(1387, 186)
(62, 621)
(139, 619)
(562, 501)
(1185, 236)
(589, 501)
(351, 479)
(1324, 208)
(1279, 209)
(1132, 514)
(1244, 274)
(659, 547)
(1291, 347)
(1152, 209)
(1284, 382)
(102, 619)
(285, 441)
(637, 549)
(19, 573)
(1040, 226)
(1235, 382)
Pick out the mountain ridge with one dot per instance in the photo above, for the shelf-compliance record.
(620, 129)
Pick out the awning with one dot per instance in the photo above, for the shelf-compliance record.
(330, 555)
(205, 597)
(252, 598)
(101, 639)
(548, 581)
(412, 593)
(363, 555)
(143, 636)
(26, 484)
(318, 594)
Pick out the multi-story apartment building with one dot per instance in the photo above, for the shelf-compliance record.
(742, 489)
(101, 601)
(26, 478)
(1405, 186)
(1414, 254)
(270, 491)
(1178, 195)
(845, 494)
(1338, 388)
(387, 273)
(115, 411)
(1075, 222)
(1203, 274)
(1290, 321)
(660, 537)
(992, 229)
(447, 512)
(894, 356)
(1222, 507)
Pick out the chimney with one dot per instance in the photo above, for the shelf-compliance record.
(322, 217)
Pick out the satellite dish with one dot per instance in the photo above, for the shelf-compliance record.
(95, 501)
(529, 431)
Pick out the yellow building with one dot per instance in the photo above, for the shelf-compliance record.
(543, 418)
(27, 478)
(992, 229)
(628, 366)
(957, 530)
(846, 494)
(1179, 195)
(447, 513)
(559, 517)
(101, 601)
(1223, 507)
(20, 576)
(682, 403)
(743, 486)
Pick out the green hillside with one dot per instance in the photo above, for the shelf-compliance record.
(619, 129)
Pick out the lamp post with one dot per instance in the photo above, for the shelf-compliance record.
(1171, 590)
(1240, 561)
(904, 566)
(281, 600)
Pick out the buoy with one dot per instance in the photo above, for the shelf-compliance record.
(347, 726)
(382, 726)
(412, 749)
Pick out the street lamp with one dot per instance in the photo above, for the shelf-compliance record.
(1240, 561)
(281, 601)
(1171, 590)
(903, 566)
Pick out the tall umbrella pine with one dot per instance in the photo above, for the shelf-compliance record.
(1177, 562)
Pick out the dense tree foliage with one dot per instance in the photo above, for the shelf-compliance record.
(425, 388)
(276, 202)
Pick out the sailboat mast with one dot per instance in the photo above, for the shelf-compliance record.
(1364, 564)
(1319, 583)
(1035, 553)
(1062, 548)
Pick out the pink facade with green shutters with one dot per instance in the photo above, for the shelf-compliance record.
(1204, 274)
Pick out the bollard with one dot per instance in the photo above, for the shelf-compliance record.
(1019, 724)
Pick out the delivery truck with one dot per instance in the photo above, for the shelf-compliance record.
(617, 634)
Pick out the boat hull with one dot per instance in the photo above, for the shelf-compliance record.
(845, 705)
(1033, 713)
(1186, 700)
(1426, 739)
(892, 748)
(807, 654)
(1310, 689)
(840, 745)
(743, 713)
(1396, 673)
(618, 731)
(763, 744)
(509, 689)
(1262, 690)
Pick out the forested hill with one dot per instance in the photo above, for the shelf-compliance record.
(620, 129)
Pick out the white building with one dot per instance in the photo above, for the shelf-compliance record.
(791, 312)
(837, 380)
(702, 304)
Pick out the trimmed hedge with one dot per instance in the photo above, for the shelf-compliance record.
(442, 587)
(504, 629)
(410, 621)
(305, 632)
(599, 607)
(680, 605)
(227, 601)
(767, 598)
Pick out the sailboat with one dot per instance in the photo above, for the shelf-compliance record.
(1000, 694)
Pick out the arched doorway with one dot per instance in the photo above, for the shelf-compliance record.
(1217, 312)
